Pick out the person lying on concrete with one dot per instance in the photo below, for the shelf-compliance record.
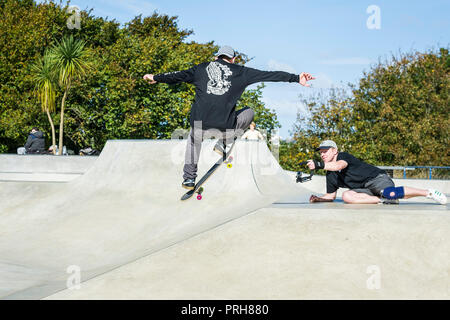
(218, 86)
(252, 133)
(35, 143)
(368, 184)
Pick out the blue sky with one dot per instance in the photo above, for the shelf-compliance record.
(328, 38)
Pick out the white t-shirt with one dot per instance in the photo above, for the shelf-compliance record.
(252, 135)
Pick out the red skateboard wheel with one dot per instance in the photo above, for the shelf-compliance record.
(199, 197)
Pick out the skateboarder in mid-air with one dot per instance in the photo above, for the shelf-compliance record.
(367, 183)
(218, 86)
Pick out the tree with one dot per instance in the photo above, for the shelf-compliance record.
(26, 29)
(328, 115)
(111, 101)
(45, 88)
(396, 115)
(69, 58)
(400, 110)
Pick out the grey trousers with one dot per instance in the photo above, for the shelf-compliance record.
(374, 186)
(196, 136)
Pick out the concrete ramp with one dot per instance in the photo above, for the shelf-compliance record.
(42, 168)
(320, 251)
(127, 206)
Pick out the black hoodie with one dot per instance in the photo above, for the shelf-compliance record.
(35, 143)
(218, 86)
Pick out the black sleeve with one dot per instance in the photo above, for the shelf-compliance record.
(332, 182)
(176, 77)
(29, 141)
(347, 157)
(254, 75)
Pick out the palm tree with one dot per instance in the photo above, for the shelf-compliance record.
(70, 60)
(45, 88)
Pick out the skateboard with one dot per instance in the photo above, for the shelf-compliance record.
(226, 158)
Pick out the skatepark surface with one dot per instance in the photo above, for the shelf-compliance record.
(118, 223)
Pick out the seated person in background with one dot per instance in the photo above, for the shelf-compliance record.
(252, 134)
(35, 143)
(367, 183)
(52, 149)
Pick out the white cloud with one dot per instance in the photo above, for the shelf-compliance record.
(322, 81)
(347, 61)
(283, 106)
(286, 110)
(286, 99)
(274, 65)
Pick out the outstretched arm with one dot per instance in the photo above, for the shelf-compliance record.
(255, 75)
(329, 166)
(171, 77)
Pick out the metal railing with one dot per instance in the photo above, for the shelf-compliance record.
(405, 168)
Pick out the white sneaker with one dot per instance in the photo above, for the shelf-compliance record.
(437, 196)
